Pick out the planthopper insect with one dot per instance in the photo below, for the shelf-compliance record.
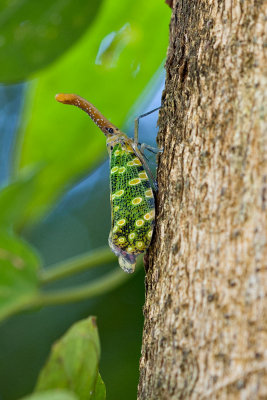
(132, 198)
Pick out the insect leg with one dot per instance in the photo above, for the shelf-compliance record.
(136, 123)
(144, 146)
(139, 153)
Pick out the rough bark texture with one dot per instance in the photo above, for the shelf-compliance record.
(205, 333)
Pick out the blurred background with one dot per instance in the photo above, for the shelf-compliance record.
(112, 53)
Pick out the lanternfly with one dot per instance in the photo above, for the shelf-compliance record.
(132, 199)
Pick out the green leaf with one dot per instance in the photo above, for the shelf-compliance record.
(111, 75)
(15, 197)
(73, 362)
(100, 390)
(18, 274)
(35, 33)
(52, 395)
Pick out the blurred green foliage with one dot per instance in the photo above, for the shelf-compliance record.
(73, 366)
(35, 33)
(106, 52)
(73, 363)
(56, 394)
(18, 281)
(14, 198)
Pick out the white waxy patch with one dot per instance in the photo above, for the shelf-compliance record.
(126, 265)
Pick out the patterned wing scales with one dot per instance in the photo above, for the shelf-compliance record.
(132, 206)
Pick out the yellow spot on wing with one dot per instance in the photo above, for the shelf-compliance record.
(121, 239)
(137, 200)
(149, 193)
(134, 181)
(132, 235)
(149, 233)
(140, 244)
(115, 228)
(143, 175)
(121, 222)
(117, 153)
(119, 193)
(139, 222)
(130, 163)
(149, 215)
(116, 208)
(136, 161)
(152, 213)
(122, 170)
(114, 169)
(128, 148)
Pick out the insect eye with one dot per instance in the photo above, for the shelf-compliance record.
(110, 130)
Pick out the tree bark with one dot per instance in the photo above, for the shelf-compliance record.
(205, 332)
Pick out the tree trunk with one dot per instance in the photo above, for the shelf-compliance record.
(205, 333)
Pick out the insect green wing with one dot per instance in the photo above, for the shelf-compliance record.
(132, 206)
